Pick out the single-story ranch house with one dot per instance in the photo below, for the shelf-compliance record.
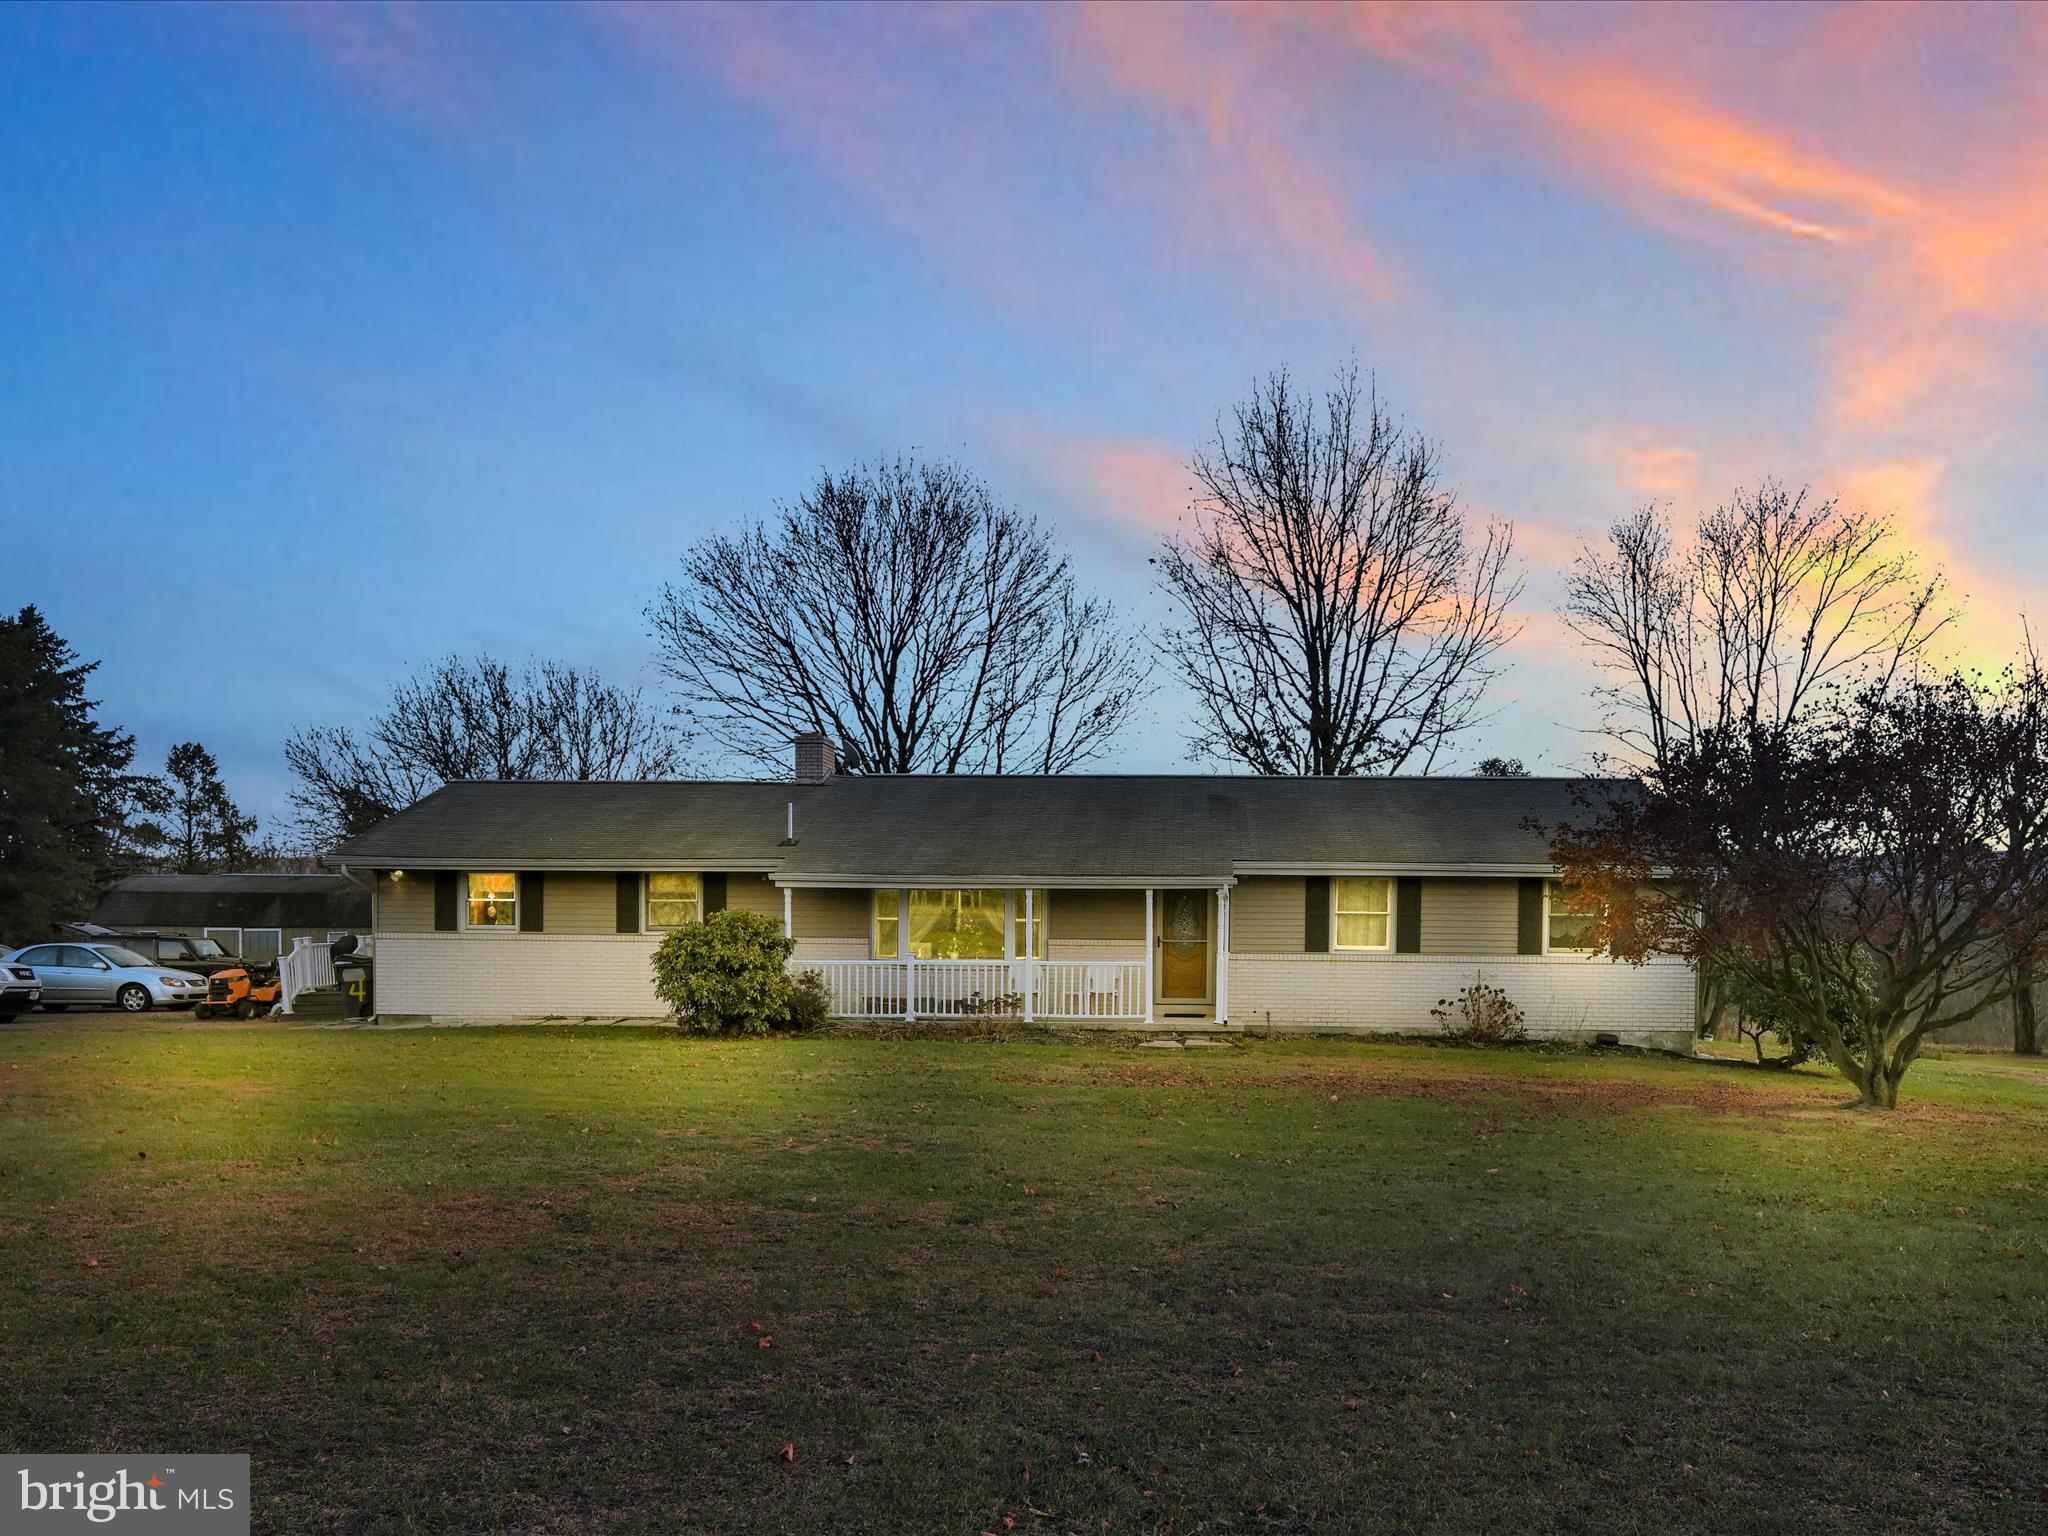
(1148, 901)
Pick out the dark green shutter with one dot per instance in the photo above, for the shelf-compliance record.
(1529, 917)
(444, 901)
(629, 903)
(1408, 915)
(1315, 915)
(714, 894)
(533, 903)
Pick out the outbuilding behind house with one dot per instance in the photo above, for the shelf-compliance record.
(257, 917)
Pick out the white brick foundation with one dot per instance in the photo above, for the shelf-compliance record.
(529, 975)
(1564, 998)
(517, 976)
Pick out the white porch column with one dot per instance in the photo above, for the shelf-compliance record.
(1030, 961)
(1148, 955)
(788, 927)
(1223, 955)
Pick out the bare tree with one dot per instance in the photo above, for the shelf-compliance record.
(1740, 625)
(475, 719)
(1339, 615)
(1770, 599)
(911, 617)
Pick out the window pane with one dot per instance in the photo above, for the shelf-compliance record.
(673, 900)
(956, 925)
(1361, 908)
(493, 901)
(887, 920)
(1368, 896)
(1569, 930)
(1033, 941)
(1361, 931)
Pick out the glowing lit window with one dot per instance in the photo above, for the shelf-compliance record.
(1362, 913)
(674, 901)
(957, 925)
(493, 901)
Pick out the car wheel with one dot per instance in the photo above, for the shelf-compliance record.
(8, 1018)
(133, 998)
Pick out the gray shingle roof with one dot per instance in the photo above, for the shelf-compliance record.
(1107, 826)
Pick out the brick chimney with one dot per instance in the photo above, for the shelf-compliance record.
(816, 759)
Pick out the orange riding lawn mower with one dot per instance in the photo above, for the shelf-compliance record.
(246, 992)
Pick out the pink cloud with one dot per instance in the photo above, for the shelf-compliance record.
(1219, 88)
(1134, 488)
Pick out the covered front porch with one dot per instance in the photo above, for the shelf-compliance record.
(1132, 954)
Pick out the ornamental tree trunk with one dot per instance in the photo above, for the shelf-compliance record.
(1884, 1048)
(2026, 1031)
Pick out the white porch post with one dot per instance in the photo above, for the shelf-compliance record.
(788, 927)
(1147, 1011)
(1030, 960)
(1223, 955)
(909, 960)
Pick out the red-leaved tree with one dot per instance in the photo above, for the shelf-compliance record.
(1879, 867)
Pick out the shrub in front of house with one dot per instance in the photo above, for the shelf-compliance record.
(726, 975)
(1481, 1014)
(809, 1005)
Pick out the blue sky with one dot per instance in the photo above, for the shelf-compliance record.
(340, 338)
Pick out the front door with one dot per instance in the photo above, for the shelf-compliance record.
(1184, 946)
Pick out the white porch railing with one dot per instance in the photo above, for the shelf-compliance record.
(308, 966)
(918, 989)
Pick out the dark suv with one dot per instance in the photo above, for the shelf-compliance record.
(200, 956)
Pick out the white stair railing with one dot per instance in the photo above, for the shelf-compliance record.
(307, 968)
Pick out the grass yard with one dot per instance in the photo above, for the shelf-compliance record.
(555, 1281)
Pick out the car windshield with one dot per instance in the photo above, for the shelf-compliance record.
(123, 957)
(206, 949)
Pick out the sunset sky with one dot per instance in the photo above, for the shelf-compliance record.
(339, 338)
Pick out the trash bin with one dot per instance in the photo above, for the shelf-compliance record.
(353, 976)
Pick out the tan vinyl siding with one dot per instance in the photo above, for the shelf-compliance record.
(825, 913)
(405, 905)
(1468, 917)
(576, 902)
(1266, 915)
(753, 893)
(1095, 915)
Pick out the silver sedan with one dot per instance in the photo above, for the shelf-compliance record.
(106, 975)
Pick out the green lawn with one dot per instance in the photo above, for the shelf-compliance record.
(548, 1280)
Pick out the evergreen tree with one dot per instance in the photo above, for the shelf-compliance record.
(206, 830)
(69, 808)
